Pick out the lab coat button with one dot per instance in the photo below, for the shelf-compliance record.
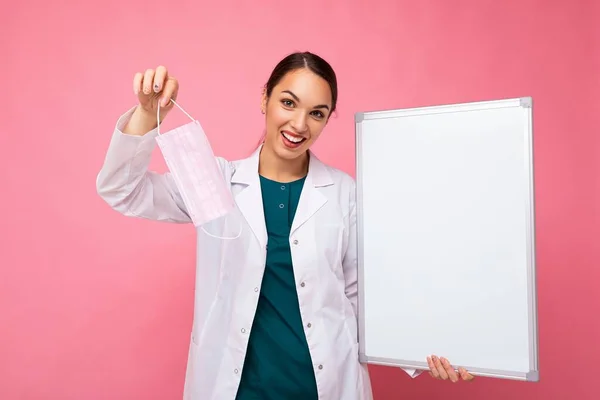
(302, 284)
(320, 366)
(256, 289)
(295, 241)
(243, 330)
(309, 325)
(235, 370)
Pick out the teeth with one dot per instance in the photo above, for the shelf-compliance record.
(291, 138)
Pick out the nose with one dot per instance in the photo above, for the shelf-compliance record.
(299, 122)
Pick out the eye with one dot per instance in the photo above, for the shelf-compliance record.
(287, 102)
(318, 114)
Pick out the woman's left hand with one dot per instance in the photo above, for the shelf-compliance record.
(440, 368)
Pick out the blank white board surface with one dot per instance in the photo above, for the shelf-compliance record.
(446, 237)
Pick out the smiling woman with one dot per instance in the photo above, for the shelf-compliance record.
(276, 312)
(298, 99)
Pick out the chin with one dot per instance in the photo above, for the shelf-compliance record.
(287, 154)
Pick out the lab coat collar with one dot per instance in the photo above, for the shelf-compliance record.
(249, 200)
(246, 171)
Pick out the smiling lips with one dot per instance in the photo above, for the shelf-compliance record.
(291, 140)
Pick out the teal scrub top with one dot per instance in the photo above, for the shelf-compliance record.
(278, 363)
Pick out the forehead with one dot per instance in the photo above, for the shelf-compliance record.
(310, 88)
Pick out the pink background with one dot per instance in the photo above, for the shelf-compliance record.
(94, 305)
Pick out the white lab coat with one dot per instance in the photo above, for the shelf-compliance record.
(229, 272)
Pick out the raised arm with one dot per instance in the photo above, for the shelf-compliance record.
(125, 182)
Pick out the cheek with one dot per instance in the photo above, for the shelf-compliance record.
(316, 128)
(276, 118)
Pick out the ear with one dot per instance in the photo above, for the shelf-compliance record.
(263, 102)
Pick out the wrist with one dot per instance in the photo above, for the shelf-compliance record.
(140, 123)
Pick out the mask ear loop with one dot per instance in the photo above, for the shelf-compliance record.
(158, 114)
(193, 120)
(224, 238)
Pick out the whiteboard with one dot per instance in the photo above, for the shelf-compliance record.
(446, 237)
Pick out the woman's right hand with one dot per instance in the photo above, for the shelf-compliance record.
(154, 86)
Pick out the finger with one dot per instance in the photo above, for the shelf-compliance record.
(159, 78)
(452, 375)
(148, 81)
(137, 82)
(465, 375)
(169, 92)
(440, 368)
(432, 369)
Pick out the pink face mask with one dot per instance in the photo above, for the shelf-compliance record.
(191, 161)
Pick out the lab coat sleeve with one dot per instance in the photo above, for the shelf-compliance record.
(350, 265)
(126, 184)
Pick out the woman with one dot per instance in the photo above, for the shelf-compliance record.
(275, 313)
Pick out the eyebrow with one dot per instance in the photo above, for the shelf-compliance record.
(298, 100)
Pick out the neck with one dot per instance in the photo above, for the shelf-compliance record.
(273, 167)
